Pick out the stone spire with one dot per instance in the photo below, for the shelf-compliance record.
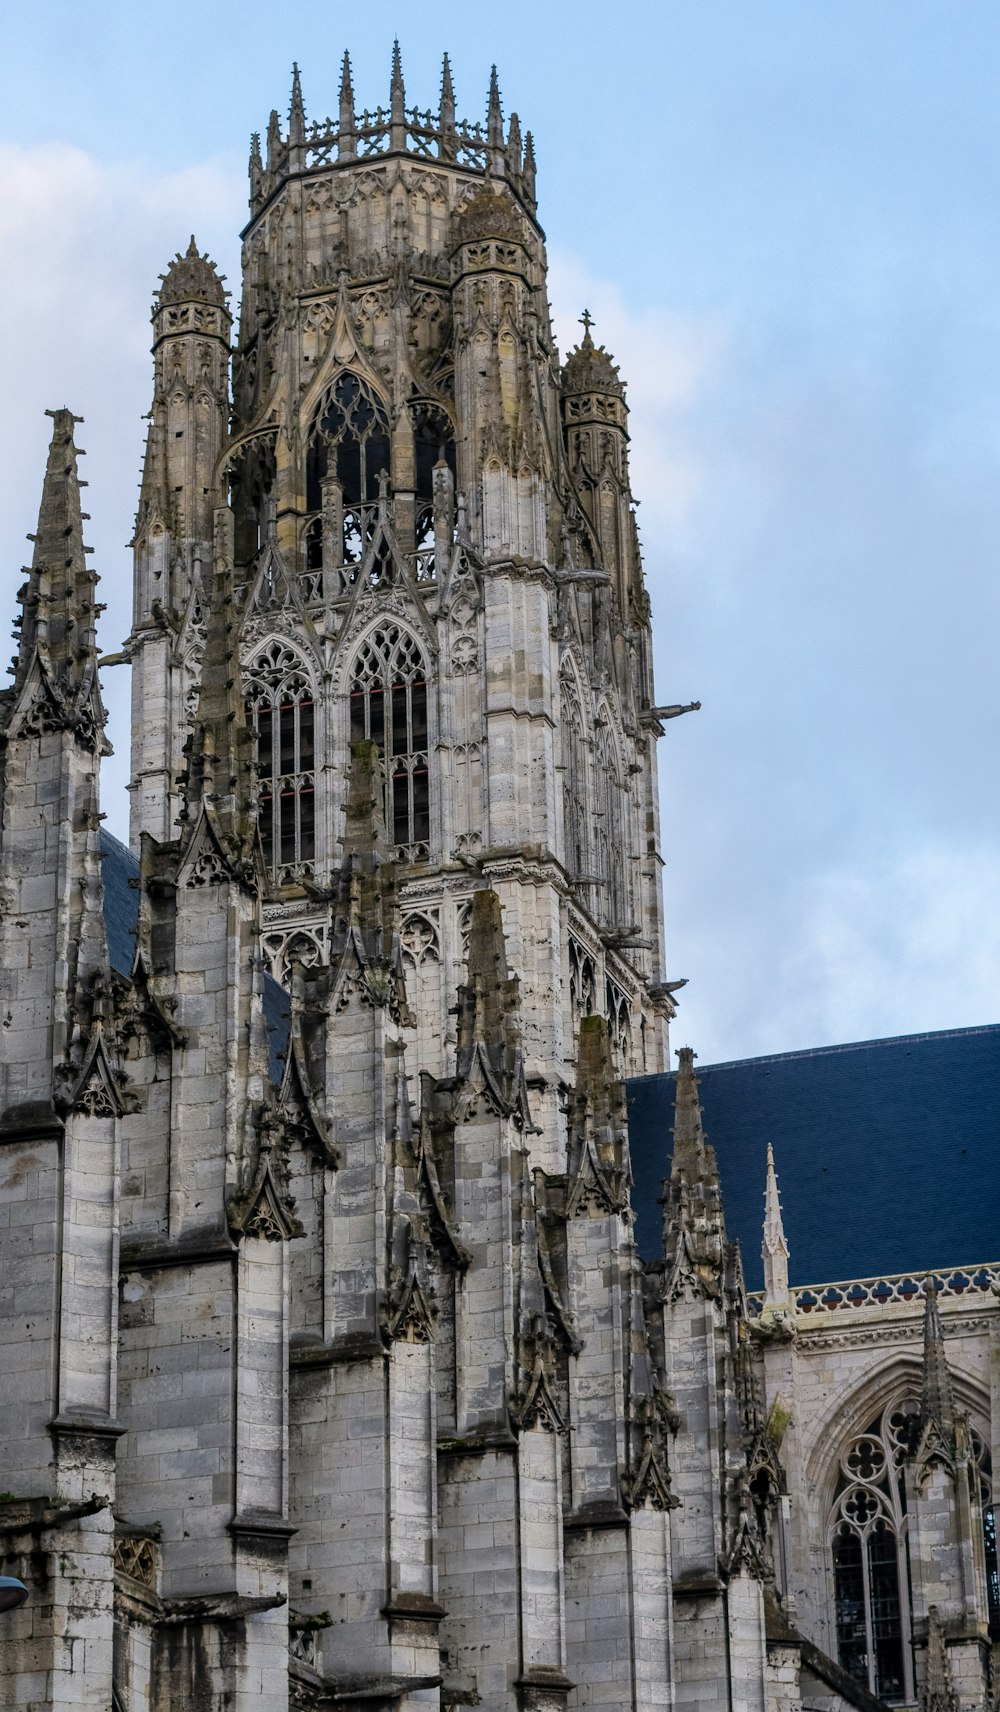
(55, 670)
(774, 1248)
(494, 125)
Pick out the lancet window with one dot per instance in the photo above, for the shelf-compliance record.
(433, 440)
(348, 452)
(388, 699)
(281, 711)
(573, 778)
(612, 835)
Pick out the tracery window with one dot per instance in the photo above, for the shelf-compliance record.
(389, 707)
(868, 1537)
(870, 1550)
(349, 445)
(281, 712)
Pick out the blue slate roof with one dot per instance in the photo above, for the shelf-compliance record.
(887, 1151)
(121, 914)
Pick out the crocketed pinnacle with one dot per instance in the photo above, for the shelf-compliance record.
(397, 85)
(192, 278)
(58, 629)
(296, 111)
(346, 88)
(489, 1000)
(447, 93)
(937, 1400)
(494, 112)
(690, 1157)
(694, 1237)
(599, 1152)
(774, 1248)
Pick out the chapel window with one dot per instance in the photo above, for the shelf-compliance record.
(388, 699)
(281, 710)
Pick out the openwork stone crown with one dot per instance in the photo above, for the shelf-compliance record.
(191, 278)
(491, 148)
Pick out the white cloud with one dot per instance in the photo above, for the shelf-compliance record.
(81, 248)
(668, 363)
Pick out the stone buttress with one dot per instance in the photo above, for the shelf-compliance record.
(203, 1473)
(61, 1099)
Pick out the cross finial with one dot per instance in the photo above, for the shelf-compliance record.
(586, 322)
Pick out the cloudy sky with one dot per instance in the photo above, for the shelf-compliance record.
(783, 215)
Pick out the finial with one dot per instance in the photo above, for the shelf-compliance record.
(397, 102)
(273, 139)
(528, 168)
(296, 112)
(494, 116)
(586, 322)
(937, 1401)
(514, 146)
(446, 112)
(774, 1248)
(192, 252)
(346, 134)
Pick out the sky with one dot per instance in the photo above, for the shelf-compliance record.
(784, 218)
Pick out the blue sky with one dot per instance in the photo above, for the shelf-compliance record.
(784, 217)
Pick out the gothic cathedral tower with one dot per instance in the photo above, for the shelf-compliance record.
(433, 548)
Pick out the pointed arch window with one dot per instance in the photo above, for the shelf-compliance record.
(348, 452)
(281, 713)
(388, 706)
(614, 844)
(433, 441)
(573, 777)
(869, 1547)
